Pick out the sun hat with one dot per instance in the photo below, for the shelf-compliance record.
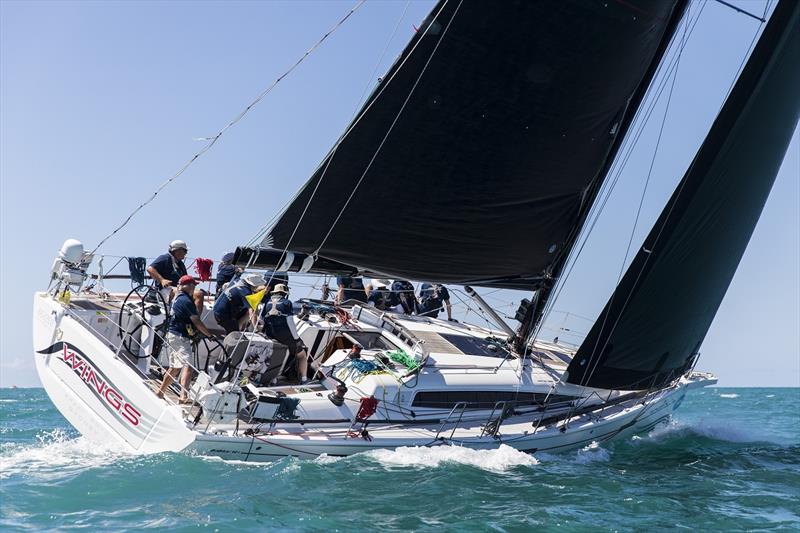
(178, 245)
(280, 288)
(253, 279)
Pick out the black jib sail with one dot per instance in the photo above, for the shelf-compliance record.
(651, 329)
(477, 157)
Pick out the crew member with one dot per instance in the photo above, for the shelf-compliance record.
(432, 297)
(231, 308)
(402, 297)
(167, 269)
(379, 296)
(226, 271)
(279, 325)
(185, 321)
(350, 288)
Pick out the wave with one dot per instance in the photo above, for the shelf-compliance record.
(500, 459)
(54, 452)
(714, 430)
(730, 395)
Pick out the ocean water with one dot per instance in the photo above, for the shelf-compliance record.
(729, 461)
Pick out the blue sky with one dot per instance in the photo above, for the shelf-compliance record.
(100, 102)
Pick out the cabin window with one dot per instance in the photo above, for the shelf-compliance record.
(483, 399)
(371, 340)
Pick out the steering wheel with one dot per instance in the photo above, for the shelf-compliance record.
(141, 298)
(213, 345)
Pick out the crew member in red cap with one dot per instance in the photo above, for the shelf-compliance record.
(185, 321)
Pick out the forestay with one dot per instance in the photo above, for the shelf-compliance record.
(477, 157)
(651, 329)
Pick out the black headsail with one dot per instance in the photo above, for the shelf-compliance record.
(651, 329)
(477, 157)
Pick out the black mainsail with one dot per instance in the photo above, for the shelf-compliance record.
(477, 157)
(651, 329)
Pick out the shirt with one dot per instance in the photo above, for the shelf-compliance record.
(275, 313)
(225, 274)
(403, 294)
(353, 288)
(431, 299)
(379, 298)
(232, 302)
(169, 268)
(183, 309)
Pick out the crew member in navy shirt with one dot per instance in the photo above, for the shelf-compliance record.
(402, 295)
(184, 322)
(379, 296)
(231, 307)
(432, 297)
(279, 325)
(350, 288)
(167, 269)
(226, 271)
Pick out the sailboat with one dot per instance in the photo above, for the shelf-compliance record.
(510, 119)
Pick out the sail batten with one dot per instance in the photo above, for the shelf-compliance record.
(477, 158)
(652, 327)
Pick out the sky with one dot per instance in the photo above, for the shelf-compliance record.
(100, 102)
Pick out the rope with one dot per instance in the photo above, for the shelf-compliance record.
(212, 140)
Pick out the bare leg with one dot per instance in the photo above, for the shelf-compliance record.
(199, 300)
(302, 365)
(168, 377)
(186, 379)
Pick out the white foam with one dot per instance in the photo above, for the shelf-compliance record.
(55, 451)
(731, 395)
(592, 453)
(500, 459)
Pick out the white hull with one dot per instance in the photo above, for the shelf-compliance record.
(107, 400)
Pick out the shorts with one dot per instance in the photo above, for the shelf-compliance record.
(227, 323)
(294, 345)
(179, 350)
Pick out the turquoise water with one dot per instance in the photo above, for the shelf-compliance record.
(730, 461)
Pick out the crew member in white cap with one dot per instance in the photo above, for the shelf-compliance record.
(279, 325)
(231, 308)
(168, 268)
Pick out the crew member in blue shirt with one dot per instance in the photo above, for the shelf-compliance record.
(432, 297)
(226, 271)
(279, 325)
(379, 296)
(184, 322)
(402, 297)
(350, 288)
(167, 269)
(231, 307)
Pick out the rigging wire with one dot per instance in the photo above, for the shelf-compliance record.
(391, 127)
(608, 188)
(212, 140)
(349, 129)
(266, 227)
(658, 235)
